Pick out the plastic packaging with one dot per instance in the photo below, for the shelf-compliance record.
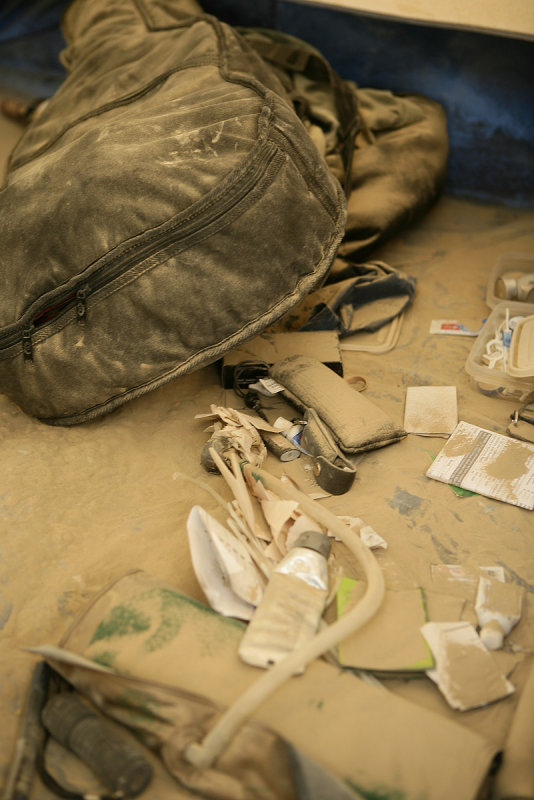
(498, 608)
(289, 613)
(292, 431)
(223, 566)
(381, 341)
(496, 380)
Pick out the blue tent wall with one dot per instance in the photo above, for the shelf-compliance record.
(30, 43)
(483, 81)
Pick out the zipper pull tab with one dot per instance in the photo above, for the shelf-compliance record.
(27, 346)
(81, 302)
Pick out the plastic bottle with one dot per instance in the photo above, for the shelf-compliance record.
(292, 605)
(498, 608)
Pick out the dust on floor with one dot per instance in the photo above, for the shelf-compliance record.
(80, 506)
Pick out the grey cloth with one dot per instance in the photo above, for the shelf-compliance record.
(388, 149)
(382, 291)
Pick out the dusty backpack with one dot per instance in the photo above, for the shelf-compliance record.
(167, 205)
(184, 191)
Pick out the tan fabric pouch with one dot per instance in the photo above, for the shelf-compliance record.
(357, 424)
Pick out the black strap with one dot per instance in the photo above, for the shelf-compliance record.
(51, 783)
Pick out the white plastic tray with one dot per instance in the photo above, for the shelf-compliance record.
(494, 381)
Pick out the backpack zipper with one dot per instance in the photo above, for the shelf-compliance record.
(77, 295)
(51, 313)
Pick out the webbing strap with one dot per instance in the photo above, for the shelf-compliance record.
(293, 57)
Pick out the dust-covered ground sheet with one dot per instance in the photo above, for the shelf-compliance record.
(81, 506)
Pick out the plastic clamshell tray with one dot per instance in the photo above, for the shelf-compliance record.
(380, 341)
(493, 381)
(521, 356)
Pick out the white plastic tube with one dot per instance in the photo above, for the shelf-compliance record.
(203, 754)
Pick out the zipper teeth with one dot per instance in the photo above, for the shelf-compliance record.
(196, 223)
(121, 264)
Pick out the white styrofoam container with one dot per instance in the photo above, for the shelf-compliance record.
(521, 357)
(493, 381)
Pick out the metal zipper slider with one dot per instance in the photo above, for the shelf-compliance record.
(27, 346)
(81, 302)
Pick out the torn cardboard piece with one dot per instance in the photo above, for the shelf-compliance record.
(367, 533)
(272, 347)
(465, 671)
(431, 410)
(453, 573)
(391, 642)
(459, 582)
(443, 607)
(515, 777)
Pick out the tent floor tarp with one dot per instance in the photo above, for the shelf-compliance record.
(81, 506)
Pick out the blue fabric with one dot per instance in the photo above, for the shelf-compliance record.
(30, 43)
(360, 285)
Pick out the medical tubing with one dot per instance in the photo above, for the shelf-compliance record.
(203, 754)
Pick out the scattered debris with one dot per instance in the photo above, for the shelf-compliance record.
(487, 463)
(465, 671)
(451, 327)
(392, 642)
(457, 572)
(431, 410)
(288, 615)
(368, 535)
(498, 608)
(224, 566)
